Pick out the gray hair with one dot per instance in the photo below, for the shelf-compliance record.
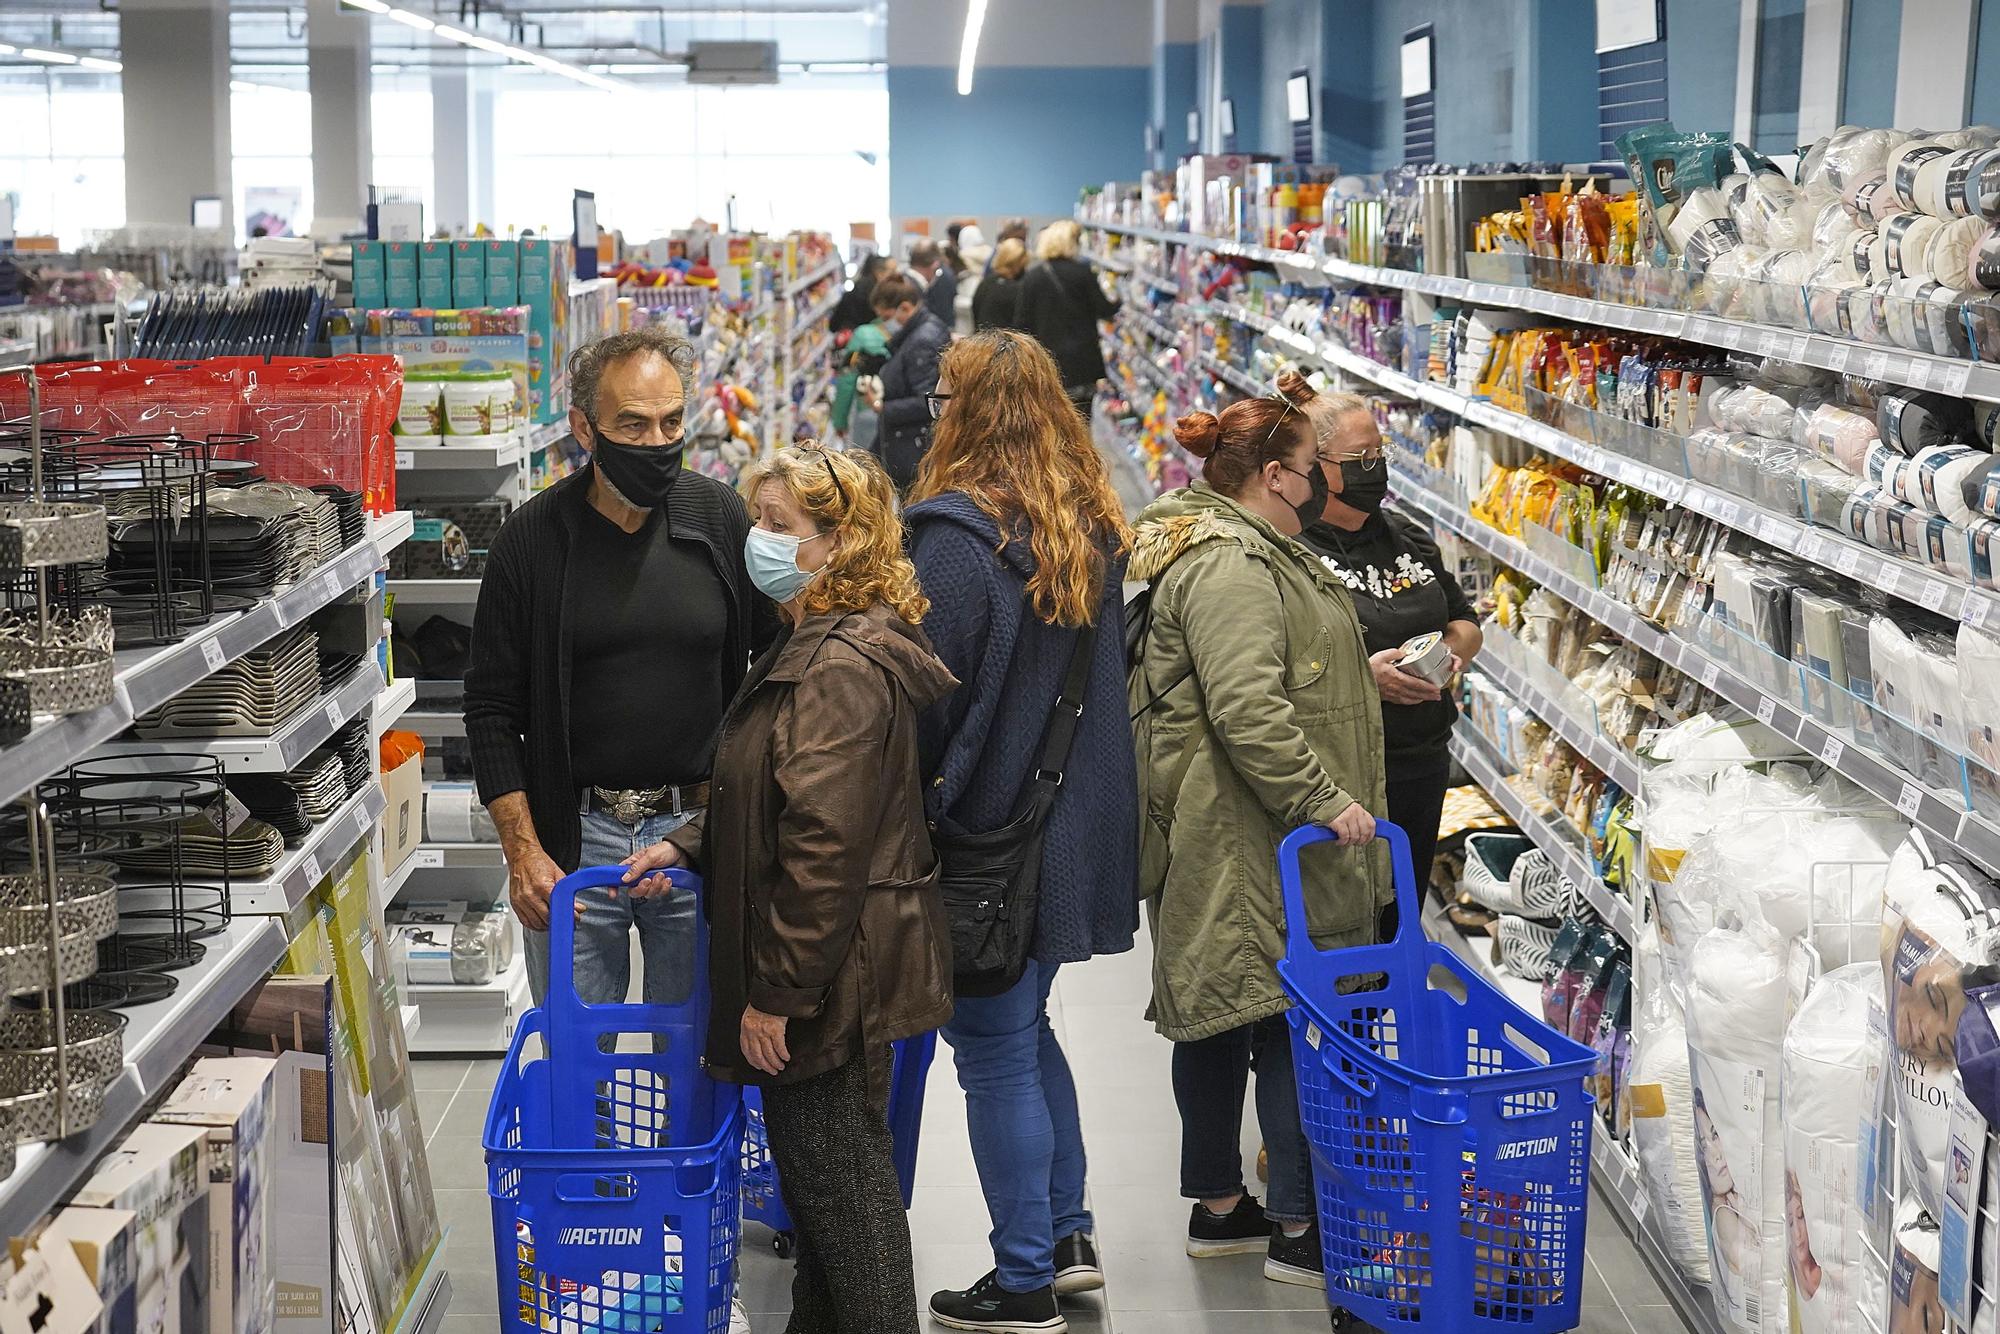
(587, 364)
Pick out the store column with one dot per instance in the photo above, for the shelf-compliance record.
(462, 145)
(1176, 24)
(341, 82)
(176, 95)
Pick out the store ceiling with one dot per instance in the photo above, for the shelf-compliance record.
(268, 35)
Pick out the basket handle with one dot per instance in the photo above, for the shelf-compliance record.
(567, 1011)
(1298, 940)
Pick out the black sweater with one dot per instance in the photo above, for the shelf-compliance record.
(517, 684)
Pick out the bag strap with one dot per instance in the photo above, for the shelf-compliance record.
(1068, 712)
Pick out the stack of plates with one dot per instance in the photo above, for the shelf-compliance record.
(350, 746)
(293, 803)
(320, 784)
(252, 696)
(204, 854)
(336, 669)
(347, 504)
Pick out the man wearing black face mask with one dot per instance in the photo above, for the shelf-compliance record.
(615, 621)
(1401, 589)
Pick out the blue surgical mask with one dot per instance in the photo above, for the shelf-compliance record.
(773, 561)
(892, 327)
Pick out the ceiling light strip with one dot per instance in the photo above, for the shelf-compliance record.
(968, 51)
(42, 55)
(507, 50)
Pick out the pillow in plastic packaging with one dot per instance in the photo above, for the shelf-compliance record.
(1823, 1082)
(1854, 155)
(1914, 421)
(1947, 480)
(1735, 1020)
(1979, 695)
(1660, 1090)
(1939, 916)
(1842, 436)
(1916, 1302)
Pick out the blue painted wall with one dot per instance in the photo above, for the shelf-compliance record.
(1174, 91)
(1701, 63)
(1986, 67)
(1556, 91)
(1348, 87)
(1874, 39)
(1243, 75)
(1025, 141)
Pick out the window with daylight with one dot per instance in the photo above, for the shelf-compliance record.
(63, 156)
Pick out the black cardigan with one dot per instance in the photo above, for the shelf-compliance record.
(1060, 305)
(517, 681)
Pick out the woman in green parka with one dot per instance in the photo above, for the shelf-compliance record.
(1254, 713)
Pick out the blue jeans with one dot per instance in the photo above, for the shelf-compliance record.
(1020, 1105)
(603, 960)
(1210, 1075)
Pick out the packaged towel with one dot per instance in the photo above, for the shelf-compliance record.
(1842, 436)
(1947, 480)
(1950, 258)
(1913, 421)
(1972, 184)
(1906, 244)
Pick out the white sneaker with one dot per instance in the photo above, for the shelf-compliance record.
(739, 1319)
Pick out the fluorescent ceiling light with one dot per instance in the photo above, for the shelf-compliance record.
(99, 62)
(968, 51)
(6, 50)
(417, 21)
(372, 6)
(538, 59)
(49, 57)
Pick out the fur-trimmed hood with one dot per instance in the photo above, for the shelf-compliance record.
(1180, 521)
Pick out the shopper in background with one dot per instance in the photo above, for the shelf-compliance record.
(1401, 589)
(939, 282)
(856, 306)
(864, 352)
(1061, 304)
(973, 253)
(1019, 540)
(1014, 229)
(916, 339)
(1254, 714)
(996, 303)
(827, 937)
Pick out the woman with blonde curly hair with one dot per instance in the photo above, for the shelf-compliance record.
(826, 935)
(1020, 542)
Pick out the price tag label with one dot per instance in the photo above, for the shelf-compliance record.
(1710, 674)
(211, 653)
(311, 864)
(1726, 511)
(1836, 359)
(1919, 376)
(335, 715)
(1876, 365)
(1796, 351)
(406, 459)
(1767, 345)
(1849, 560)
(1973, 609)
(287, 609)
(1739, 337)
(1908, 800)
(1777, 534)
(1767, 708)
(329, 584)
(362, 824)
(1933, 595)
(431, 857)
(1955, 378)
(1674, 489)
(1832, 750)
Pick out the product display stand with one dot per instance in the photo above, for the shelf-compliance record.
(1161, 347)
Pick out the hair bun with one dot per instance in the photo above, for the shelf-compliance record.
(1297, 390)
(1198, 433)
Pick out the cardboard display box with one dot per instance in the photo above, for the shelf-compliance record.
(231, 1098)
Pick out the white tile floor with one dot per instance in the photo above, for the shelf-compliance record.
(1133, 1135)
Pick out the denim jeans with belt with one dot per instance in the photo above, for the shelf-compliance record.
(1209, 1079)
(1020, 1106)
(603, 958)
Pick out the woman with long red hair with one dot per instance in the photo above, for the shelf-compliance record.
(1020, 543)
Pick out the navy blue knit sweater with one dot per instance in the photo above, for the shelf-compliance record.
(981, 740)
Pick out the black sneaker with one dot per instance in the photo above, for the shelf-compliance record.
(1076, 1266)
(1296, 1259)
(988, 1306)
(1242, 1231)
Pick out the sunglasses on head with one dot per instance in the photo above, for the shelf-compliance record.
(826, 461)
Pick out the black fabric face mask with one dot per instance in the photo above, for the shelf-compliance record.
(1364, 487)
(1314, 508)
(643, 474)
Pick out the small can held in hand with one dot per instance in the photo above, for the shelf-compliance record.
(1427, 656)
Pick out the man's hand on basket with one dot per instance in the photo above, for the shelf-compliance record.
(764, 1040)
(1353, 826)
(643, 869)
(531, 877)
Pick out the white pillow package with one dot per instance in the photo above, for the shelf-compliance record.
(1939, 916)
(1661, 1091)
(1822, 1082)
(1736, 1024)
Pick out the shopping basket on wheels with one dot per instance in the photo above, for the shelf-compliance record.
(1450, 1130)
(613, 1175)
(761, 1199)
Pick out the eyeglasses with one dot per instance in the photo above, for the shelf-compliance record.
(936, 404)
(826, 460)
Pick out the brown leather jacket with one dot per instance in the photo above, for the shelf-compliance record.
(821, 884)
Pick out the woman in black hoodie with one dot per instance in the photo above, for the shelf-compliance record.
(1060, 306)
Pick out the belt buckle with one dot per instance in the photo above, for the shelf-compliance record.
(626, 806)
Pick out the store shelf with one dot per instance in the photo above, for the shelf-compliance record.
(1149, 326)
(149, 677)
(546, 434)
(799, 284)
(291, 881)
(1610, 757)
(459, 857)
(394, 702)
(1920, 370)
(486, 454)
(435, 722)
(436, 592)
(401, 876)
(471, 1020)
(285, 749)
(1229, 375)
(1940, 813)
(1482, 764)
(816, 316)
(159, 1038)
(413, 1020)
(391, 530)
(811, 358)
(1157, 281)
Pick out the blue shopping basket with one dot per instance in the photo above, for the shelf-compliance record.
(762, 1201)
(1450, 1130)
(614, 1176)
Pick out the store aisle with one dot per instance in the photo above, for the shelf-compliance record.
(1134, 1137)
